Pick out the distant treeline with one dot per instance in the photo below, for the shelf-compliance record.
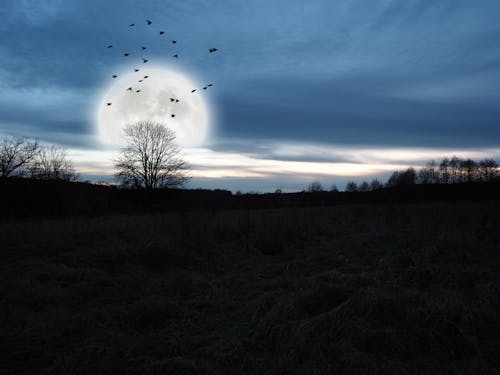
(449, 171)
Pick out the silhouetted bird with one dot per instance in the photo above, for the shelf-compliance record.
(110, 46)
(174, 41)
(108, 104)
(146, 77)
(162, 32)
(193, 90)
(143, 48)
(212, 50)
(172, 99)
(204, 88)
(210, 85)
(132, 24)
(140, 80)
(125, 54)
(129, 89)
(177, 100)
(176, 56)
(149, 22)
(137, 90)
(172, 115)
(144, 60)
(114, 76)
(136, 70)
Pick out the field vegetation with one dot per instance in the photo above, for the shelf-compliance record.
(358, 288)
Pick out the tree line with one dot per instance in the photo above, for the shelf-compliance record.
(24, 157)
(452, 170)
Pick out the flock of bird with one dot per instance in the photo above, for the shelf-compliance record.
(145, 60)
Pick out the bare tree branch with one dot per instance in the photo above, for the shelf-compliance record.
(16, 153)
(51, 163)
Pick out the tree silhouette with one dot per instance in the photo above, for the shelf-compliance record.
(468, 170)
(351, 187)
(488, 169)
(151, 158)
(15, 154)
(403, 178)
(314, 187)
(51, 163)
(444, 171)
(455, 169)
(375, 185)
(365, 186)
(428, 174)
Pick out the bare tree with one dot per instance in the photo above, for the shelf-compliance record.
(52, 163)
(428, 174)
(376, 185)
(151, 158)
(315, 187)
(365, 186)
(15, 155)
(455, 169)
(468, 170)
(488, 169)
(444, 171)
(402, 178)
(351, 187)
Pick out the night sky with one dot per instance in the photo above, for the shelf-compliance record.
(318, 90)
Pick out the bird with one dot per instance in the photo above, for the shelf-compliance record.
(136, 70)
(162, 32)
(129, 89)
(137, 90)
(144, 60)
(176, 56)
(172, 115)
(143, 48)
(204, 88)
(172, 99)
(193, 90)
(126, 54)
(146, 77)
(212, 50)
(140, 80)
(174, 41)
(210, 85)
(149, 22)
(110, 46)
(177, 100)
(114, 76)
(132, 24)
(108, 104)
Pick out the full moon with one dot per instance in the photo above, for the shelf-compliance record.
(162, 94)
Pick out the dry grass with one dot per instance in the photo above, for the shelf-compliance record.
(354, 289)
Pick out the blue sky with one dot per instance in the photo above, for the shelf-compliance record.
(348, 75)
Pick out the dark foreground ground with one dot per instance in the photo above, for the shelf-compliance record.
(350, 289)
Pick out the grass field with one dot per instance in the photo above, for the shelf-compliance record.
(349, 289)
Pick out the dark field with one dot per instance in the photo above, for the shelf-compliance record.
(356, 289)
